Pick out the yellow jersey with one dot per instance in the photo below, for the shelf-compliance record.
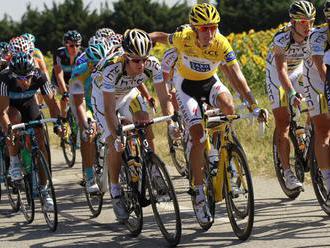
(195, 63)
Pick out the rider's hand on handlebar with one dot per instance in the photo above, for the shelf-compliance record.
(173, 130)
(58, 127)
(261, 114)
(295, 99)
(152, 103)
(119, 143)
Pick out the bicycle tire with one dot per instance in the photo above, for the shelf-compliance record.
(157, 196)
(26, 201)
(317, 180)
(177, 151)
(241, 185)
(69, 142)
(131, 194)
(51, 217)
(47, 144)
(290, 193)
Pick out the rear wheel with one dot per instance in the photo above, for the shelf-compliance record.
(46, 189)
(69, 141)
(295, 164)
(239, 193)
(318, 182)
(163, 200)
(177, 151)
(130, 193)
(25, 197)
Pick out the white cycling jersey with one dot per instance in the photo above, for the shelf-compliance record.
(313, 84)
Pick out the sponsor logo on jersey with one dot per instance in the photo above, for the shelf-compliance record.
(200, 67)
(230, 56)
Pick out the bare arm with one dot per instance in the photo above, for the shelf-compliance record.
(4, 118)
(164, 98)
(43, 67)
(59, 74)
(239, 83)
(78, 100)
(110, 112)
(144, 90)
(52, 105)
(282, 69)
(318, 61)
(160, 37)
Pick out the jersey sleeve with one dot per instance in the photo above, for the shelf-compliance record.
(318, 42)
(169, 59)
(44, 85)
(79, 76)
(3, 89)
(228, 55)
(154, 66)
(109, 75)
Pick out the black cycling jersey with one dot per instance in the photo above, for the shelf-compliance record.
(24, 100)
(61, 57)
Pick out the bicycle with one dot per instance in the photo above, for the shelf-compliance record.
(69, 140)
(299, 146)
(232, 179)
(46, 135)
(5, 178)
(37, 181)
(140, 168)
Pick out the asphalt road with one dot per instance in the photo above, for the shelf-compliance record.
(279, 222)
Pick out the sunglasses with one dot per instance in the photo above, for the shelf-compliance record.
(137, 60)
(74, 45)
(25, 78)
(304, 21)
(206, 28)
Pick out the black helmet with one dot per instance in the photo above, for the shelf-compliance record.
(22, 64)
(72, 35)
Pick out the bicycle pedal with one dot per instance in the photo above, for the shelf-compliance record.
(82, 183)
(145, 202)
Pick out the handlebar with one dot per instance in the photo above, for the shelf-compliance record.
(33, 123)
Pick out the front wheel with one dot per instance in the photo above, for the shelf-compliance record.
(239, 193)
(163, 200)
(25, 197)
(69, 141)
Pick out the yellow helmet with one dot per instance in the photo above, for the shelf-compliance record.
(326, 9)
(203, 14)
(302, 10)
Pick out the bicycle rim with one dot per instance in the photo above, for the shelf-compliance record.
(240, 197)
(130, 192)
(12, 193)
(26, 200)
(163, 200)
(68, 143)
(291, 193)
(94, 200)
(318, 182)
(49, 215)
(177, 152)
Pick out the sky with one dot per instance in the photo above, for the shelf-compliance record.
(16, 8)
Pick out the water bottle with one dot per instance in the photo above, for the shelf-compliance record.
(213, 160)
(301, 136)
(26, 160)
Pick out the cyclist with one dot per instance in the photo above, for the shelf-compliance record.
(63, 63)
(104, 33)
(80, 90)
(4, 55)
(114, 89)
(284, 77)
(200, 50)
(18, 86)
(314, 86)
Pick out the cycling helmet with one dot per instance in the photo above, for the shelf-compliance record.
(19, 44)
(116, 39)
(182, 27)
(22, 64)
(95, 53)
(99, 40)
(203, 14)
(326, 9)
(72, 35)
(302, 10)
(29, 37)
(137, 42)
(104, 32)
(4, 47)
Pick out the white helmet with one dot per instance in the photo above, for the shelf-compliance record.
(137, 42)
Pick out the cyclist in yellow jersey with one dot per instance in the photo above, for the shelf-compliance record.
(201, 49)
